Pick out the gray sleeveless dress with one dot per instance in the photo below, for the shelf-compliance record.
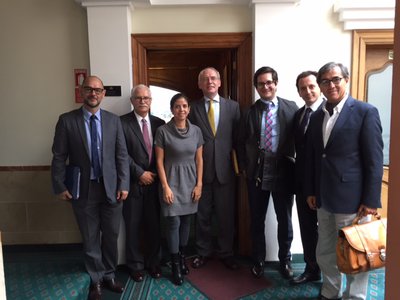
(180, 166)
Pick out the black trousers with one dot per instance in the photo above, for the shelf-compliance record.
(142, 225)
(283, 203)
(309, 232)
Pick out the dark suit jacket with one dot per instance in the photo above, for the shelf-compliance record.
(138, 156)
(348, 171)
(217, 150)
(300, 146)
(249, 140)
(70, 142)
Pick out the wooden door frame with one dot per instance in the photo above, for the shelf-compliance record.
(361, 40)
(241, 41)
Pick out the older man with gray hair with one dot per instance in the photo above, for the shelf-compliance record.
(142, 208)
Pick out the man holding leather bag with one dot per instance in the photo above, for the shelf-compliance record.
(344, 161)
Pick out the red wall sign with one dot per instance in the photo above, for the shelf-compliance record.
(80, 75)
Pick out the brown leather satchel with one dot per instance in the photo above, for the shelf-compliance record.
(362, 247)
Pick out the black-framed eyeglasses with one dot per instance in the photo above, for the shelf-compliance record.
(145, 98)
(327, 82)
(265, 83)
(89, 90)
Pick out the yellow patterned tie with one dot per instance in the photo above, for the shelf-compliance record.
(211, 115)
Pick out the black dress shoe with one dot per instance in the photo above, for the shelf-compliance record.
(258, 269)
(137, 276)
(306, 277)
(95, 291)
(324, 298)
(230, 263)
(199, 261)
(155, 272)
(113, 285)
(286, 270)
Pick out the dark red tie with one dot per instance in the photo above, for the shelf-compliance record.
(146, 137)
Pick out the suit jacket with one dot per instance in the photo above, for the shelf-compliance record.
(138, 156)
(348, 171)
(249, 142)
(70, 142)
(300, 147)
(217, 156)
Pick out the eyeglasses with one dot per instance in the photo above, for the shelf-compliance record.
(89, 90)
(145, 98)
(266, 83)
(212, 78)
(334, 80)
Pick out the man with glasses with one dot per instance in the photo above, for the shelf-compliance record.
(93, 142)
(217, 118)
(344, 174)
(142, 208)
(266, 158)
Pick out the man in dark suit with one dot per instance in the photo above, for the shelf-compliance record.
(345, 158)
(218, 119)
(308, 89)
(266, 157)
(103, 184)
(142, 208)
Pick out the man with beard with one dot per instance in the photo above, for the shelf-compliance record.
(93, 142)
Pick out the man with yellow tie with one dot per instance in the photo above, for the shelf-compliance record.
(218, 119)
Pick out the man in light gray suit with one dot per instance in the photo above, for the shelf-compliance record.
(103, 180)
(218, 119)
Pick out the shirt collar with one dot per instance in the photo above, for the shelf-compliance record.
(216, 98)
(338, 108)
(274, 101)
(87, 114)
(139, 118)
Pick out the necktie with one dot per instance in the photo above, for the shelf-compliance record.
(211, 115)
(94, 148)
(268, 128)
(146, 138)
(305, 120)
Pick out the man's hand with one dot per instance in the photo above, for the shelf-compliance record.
(122, 195)
(365, 210)
(64, 196)
(312, 202)
(147, 178)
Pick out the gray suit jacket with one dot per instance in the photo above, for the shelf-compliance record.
(70, 142)
(217, 150)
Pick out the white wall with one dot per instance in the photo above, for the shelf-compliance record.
(42, 41)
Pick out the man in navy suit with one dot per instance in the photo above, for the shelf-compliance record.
(344, 174)
(309, 91)
(142, 208)
(266, 157)
(104, 180)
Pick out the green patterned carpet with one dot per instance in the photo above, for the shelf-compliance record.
(61, 276)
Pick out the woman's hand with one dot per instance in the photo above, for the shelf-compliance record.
(196, 194)
(168, 195)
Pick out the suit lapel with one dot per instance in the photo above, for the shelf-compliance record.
(137, 131)
(341, 120)
(203, 115)
(80, 123)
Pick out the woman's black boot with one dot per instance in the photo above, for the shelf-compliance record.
(177, 277)
(182, 259)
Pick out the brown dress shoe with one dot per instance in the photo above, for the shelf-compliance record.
(137, 276)
(95, 291)
(113, 285)
(155, 272)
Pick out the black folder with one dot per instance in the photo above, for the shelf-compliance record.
(72, 180)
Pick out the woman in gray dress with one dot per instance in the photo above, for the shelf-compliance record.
(179, 156)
